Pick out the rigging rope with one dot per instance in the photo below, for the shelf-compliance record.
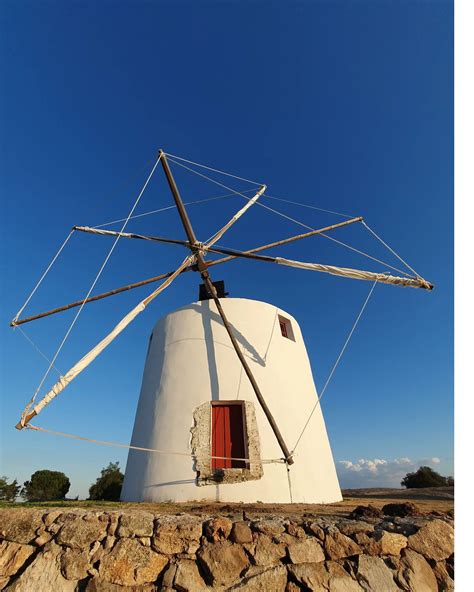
(143, 449)
(173, 207)
(211, 169)
(389, 248)
(297, 221)
(290, 218)
(25, 412)
(289, 482)
(304, 205)
(335, 366)
(332, 239)
(43, 276)
(266, 195)
(271, 335)
(43, 355)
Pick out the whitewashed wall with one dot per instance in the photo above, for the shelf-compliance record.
(191, 360)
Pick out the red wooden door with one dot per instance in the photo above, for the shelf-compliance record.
(227, 436)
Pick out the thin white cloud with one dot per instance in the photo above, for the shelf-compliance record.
(378, 472)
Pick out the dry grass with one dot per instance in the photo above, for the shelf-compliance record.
(438, 499)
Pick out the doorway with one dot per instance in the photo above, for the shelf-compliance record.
(228, 435)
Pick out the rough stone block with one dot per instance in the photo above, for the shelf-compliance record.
(390, 543)
(415, 573)
(295, 530)
(96, 584)
(315, 529)
(177, 535)
(74, 564)
(267, 552)
(130, 563)
(20, 525)
(316, 576)
(269, 526)
(241, 533)
(217, 529)
(188, 578)
(373, 575)
(308, 551)
(445, 582)
(44, 573)
(223, 562)
(434, 540)
(352, 527)
(13, 556)
(273, 579)
(338, 546)
(81, 534)
(138, 524)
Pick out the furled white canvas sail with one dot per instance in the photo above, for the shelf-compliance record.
(357, 274)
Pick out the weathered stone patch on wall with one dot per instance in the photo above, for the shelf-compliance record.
(78, 550)
(201, 446)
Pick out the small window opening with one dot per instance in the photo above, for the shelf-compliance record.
(286, 328)
(228, 436)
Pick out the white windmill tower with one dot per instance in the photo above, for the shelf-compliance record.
(227, 385)
(194, 398)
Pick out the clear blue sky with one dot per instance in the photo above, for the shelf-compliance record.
(347, 106)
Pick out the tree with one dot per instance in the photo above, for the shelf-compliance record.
(109, 485)
(8, 491)
(424, 477)
(46, 485)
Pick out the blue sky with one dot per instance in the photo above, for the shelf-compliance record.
(346, 106)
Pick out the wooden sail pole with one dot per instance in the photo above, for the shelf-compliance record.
(156, 278)
(214, 249)
(47, 313)
(414, 282)
(210, 263)
(202, 266)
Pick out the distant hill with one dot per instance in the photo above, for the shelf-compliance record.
(441, 493)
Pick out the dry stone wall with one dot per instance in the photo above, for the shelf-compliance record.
(133, 550)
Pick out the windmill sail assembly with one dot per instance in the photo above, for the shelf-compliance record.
(244, 423)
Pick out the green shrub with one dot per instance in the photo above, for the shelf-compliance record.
(46, 485)
(425, 477)
(109, 485)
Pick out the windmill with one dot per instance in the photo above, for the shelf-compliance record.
(251, 389)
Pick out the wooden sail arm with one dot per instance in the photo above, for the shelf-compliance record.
(413, 282)
(383, 278)
(219, 234)
(258, 393)
(213, 293)
(358, 274)
(161, 239)
(232, 255)
(76, 303)
(156, 239)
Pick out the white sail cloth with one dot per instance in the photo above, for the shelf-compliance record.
(62, 383)
(234, 219)
(357, 274)
(88, 358)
